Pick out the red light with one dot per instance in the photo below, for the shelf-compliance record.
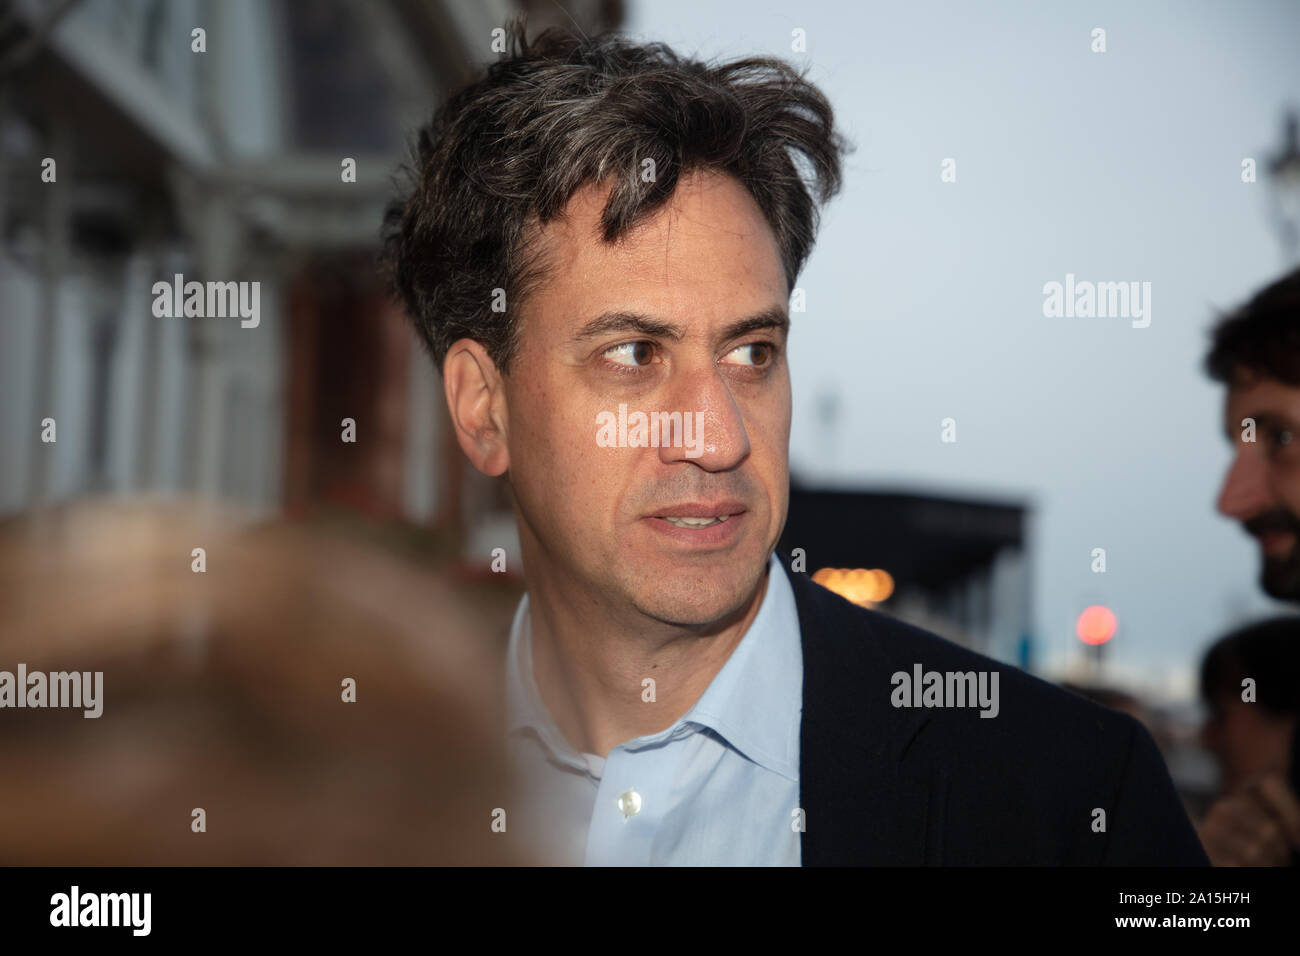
(1096, 625)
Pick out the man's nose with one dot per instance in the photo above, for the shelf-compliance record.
(713, 424)
(1245, 488)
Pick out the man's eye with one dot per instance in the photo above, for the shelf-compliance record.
(756, 354)
(631, 354)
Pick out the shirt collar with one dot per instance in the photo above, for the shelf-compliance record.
(524, 707)
(754, 702)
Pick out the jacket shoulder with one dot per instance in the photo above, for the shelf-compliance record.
(1019, 769)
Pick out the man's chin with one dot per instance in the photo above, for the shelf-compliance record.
(1281, 579)
(692, 598)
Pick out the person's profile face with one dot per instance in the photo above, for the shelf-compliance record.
(1262, 486)
(681, 531)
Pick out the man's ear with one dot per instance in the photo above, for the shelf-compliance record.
(476, 399)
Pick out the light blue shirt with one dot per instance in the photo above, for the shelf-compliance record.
(719, 787)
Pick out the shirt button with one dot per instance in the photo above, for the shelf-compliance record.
(629, 803)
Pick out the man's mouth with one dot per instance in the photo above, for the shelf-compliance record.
(1276, 543)
(700, 523)
(689, 522)
(1276, 532)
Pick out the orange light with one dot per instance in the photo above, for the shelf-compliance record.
(1096, 625)
(859, 585)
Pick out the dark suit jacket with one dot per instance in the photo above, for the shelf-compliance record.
(886, 785)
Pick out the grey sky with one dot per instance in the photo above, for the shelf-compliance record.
(925, 298)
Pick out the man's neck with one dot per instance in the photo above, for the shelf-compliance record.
(591, 671)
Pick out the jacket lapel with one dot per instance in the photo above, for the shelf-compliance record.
(862, 805)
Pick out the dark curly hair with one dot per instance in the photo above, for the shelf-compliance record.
(504, 155)
(1262, 337)
(1269, 652)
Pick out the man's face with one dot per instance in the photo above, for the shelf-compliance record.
(1262, 487)
(686, 314)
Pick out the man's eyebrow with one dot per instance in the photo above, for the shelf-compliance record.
(610, 322)
(618, 322)
(773, 318)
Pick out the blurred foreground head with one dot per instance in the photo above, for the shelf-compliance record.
(224, 691)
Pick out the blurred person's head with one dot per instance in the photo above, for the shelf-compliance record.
(597, 228)
(225, 691)
(1256, 353)
(1252, 737)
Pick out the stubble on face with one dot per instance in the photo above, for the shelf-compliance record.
(685, 314)
(1262, 488)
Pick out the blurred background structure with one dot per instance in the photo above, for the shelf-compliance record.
(227, 163)
(955, 567)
